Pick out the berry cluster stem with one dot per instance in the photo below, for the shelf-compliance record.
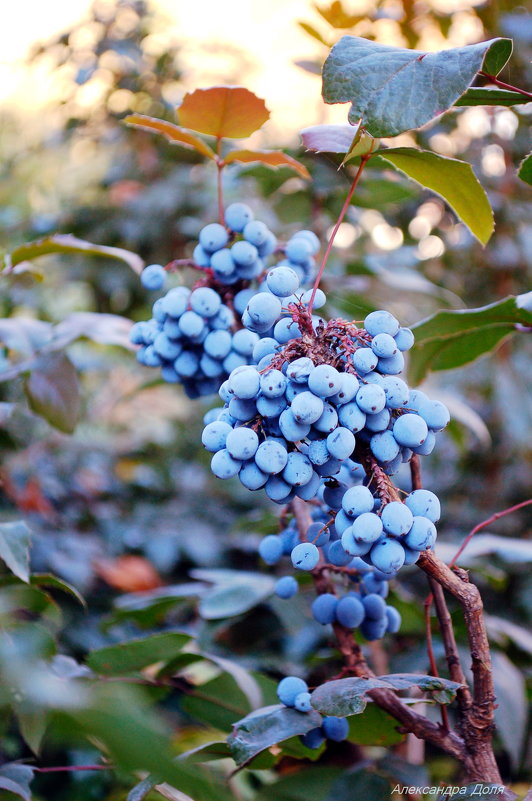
(363, 161)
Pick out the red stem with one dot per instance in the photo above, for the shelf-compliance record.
(339, 221)
(504, 85)
(485, 523)
(220, 164)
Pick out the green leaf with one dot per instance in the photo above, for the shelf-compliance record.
(15, 541)
(48, 580)
(374, 726)
(131, 656)
(309, 784)
(135, 740)
(484, 96)
(343, 697)
(66, 243)
(266, 727)
(497, 56)
(53, 392)
(451, 339)
(360, 784)
(393, 89)
(234, 593)
(210, 752)
(525, 169)
(32, 725)
(452, 180)
(217, 703)
(174, 134)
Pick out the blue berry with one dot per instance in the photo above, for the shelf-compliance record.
(237, 216)
(324, 608)
(213, 237)
(336, 729)
(271, 549)
(350, 612)
(305, 556)
(153, 277)
(286, 587)
(289, 688)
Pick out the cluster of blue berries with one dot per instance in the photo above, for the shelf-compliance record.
(386, 535)
(365, 609)
(293, 692)
(192, 337)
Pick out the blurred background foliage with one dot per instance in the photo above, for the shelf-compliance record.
(127, 505)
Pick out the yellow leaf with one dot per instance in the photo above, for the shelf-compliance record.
(175, 135)
(223, 111)
(272, 158)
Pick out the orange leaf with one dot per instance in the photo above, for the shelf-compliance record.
(228, 111)
(128, 573)
(272, 158)
(175, 135)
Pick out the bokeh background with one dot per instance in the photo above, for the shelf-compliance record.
(127, 503)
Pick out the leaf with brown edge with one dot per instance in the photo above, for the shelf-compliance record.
(174, 134)
(232, 112)
(271, 158)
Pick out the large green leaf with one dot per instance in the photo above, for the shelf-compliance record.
(525, 170)
(452, 179)
(15, 540)
(310, 784)
(392, 89)
(484, 96)
(374, 726)
(451, 339)
(131, 656)
(343, 697)
(135, 740)
(53, 392)
(66, 243)
(267, 727)
(360, 784)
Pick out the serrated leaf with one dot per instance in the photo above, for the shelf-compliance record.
(271, 158)
(452, 338)
(452, 180)
(343, 697)
(15, 541)
(483, 96)
(223, 111)
(53, 391)
(66, 243)
(173, 133)
(525, 170)
(312, 32)
(131, 656)
(393, 89)
(266, 727)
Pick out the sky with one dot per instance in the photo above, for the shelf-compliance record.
(266, 31)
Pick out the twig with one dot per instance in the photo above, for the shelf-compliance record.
(365, 158)
(485, 523)
(503, 85)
